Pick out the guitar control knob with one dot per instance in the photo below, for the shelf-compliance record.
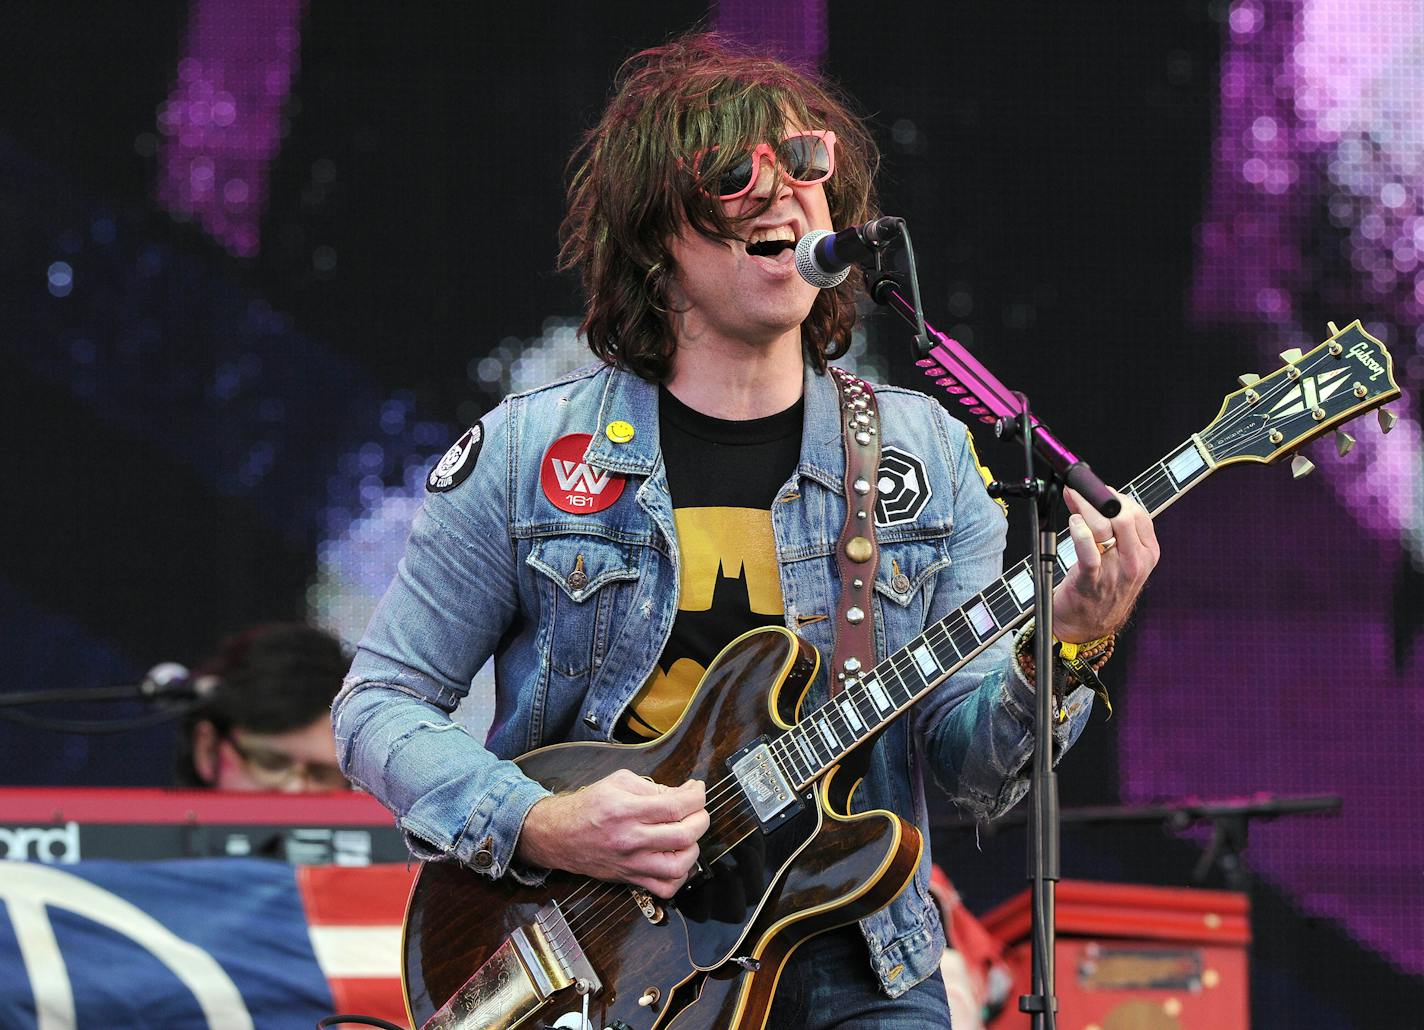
(650, 998)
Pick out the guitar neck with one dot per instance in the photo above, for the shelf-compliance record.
(892, 687)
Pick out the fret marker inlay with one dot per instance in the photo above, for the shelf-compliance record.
(981, 620)
(925, 661)
(852, 717)
(1185, 464)
(878, 695)
(811, 762)
(1022, 587)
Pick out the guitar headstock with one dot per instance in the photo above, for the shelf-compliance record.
(1272, 416)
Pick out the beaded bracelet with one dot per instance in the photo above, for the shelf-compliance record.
(1094, 654)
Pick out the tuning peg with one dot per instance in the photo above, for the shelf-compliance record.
(1291, 356)
(1387, 419)
(1334, 329)
(1344, 442)
(1301, 466)
(1248, 379)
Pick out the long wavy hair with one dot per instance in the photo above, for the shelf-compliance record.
(699, 103)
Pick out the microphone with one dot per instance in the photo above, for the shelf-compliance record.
(824, 258)
(170, 680)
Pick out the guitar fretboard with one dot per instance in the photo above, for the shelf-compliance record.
(873, 699)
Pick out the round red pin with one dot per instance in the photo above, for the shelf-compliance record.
(573, 485)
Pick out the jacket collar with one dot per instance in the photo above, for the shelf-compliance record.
(822, 457)
(628, 398)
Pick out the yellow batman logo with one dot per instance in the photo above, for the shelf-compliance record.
(726, 545)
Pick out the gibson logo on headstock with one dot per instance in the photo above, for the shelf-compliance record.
(1366, 356)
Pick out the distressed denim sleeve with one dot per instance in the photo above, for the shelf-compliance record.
(978, 727)
(453, 597)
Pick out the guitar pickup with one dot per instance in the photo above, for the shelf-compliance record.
(764, 784)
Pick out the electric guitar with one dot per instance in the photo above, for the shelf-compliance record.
(782, 859)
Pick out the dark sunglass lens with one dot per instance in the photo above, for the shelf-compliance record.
(804, 158)
(735, 179)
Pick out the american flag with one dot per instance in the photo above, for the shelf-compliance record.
(226, 944)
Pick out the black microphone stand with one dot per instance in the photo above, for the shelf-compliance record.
(174, 699)
(1043, 836)
(987, 397)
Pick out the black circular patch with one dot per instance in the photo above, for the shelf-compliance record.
(903, 488)
(458, 462)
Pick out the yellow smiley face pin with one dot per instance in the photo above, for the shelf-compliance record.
(620, 431)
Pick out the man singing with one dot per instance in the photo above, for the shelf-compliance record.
(603, 537)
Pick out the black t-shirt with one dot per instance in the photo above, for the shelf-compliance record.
(723, 476)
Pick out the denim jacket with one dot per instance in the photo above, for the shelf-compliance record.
(488, 571)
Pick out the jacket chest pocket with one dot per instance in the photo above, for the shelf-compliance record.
(905, 583)
(579, 598)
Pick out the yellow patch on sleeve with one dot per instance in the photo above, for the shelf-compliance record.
(985, 474)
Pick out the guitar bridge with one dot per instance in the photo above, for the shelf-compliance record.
(764, 784)
(520, 977)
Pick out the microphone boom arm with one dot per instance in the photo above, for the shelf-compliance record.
(957, 371)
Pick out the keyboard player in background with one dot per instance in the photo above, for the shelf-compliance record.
(266, 723)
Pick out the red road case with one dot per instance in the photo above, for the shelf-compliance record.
(1131, 957)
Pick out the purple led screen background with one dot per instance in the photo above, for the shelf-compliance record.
(262, 261)
(1300, 668)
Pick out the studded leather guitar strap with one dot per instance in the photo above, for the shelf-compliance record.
(857, 553)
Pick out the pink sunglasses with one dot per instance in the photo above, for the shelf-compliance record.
(805, 158)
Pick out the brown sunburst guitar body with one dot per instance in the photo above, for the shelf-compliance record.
(710, 957)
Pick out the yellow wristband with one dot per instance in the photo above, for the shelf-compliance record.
(1069, 652)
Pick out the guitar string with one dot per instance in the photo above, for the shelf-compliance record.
(899, 662)
(993, 595)
(834, 714)
(593, 931)
(584, 908)
(858, 694)
(1148, 483)
(606, 913)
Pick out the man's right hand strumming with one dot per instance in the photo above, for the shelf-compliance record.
(622, 828)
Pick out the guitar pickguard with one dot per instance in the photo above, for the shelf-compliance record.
(720, 907)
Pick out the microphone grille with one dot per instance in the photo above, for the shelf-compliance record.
(806, 262)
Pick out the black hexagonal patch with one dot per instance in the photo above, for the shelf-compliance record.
(902, 486)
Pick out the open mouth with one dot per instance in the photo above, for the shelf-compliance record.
(771, 242)
(770, 248)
